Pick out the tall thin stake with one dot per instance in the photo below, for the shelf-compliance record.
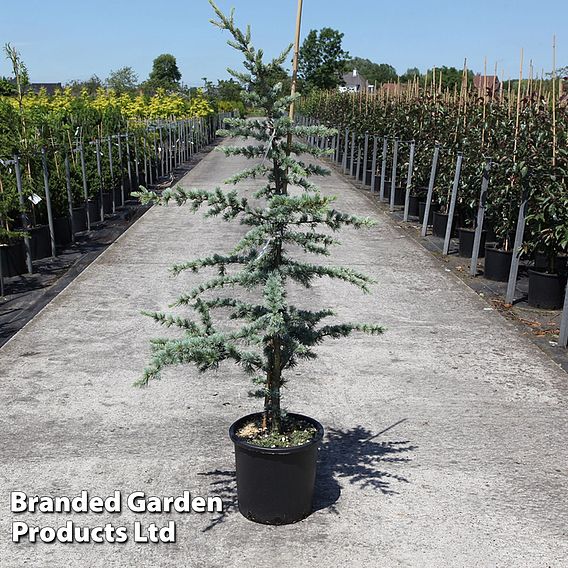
(295, 61)
(553, 100)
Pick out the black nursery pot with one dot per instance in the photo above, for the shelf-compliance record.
(466, 237)
(13, 259)
(275, 486)
(399, 194)
(541, 261)
(79, 219)
(497, 263)
(107, 203)
(546, 290)
(439, 224)
(94, 211)
(40, 242)
(62, 229)
(422, 211)
(413, 208)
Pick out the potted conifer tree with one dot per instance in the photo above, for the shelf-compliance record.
(275, 450)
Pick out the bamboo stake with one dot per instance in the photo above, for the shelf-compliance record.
(509, 97)
(433, 89)
(553, 100)
(484, 101)
(295, 60)
(465, 94)
(518, 110)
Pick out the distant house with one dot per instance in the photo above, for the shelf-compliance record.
(490, 82)
(355, 83)
(49, 88)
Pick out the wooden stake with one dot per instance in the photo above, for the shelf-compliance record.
(484, 100)
(465, 93)
(553, 100)
(509, 97)
(518, 109)
(296, 55)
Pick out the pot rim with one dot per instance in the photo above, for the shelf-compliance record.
(546, 274)
(470, 230)
(493, 247)
(275, 451)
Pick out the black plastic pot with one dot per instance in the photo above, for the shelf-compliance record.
(94, 211)
(541, 261)
(497, 263)
(368, 177)
(399, 194)
(466, 238)
(40, 242)
(377, 185)
(107, 203)
(79, 219)
(439, 224)
(275, 486)
(413, 208)
(62, 229)
(546, 290)
(13, 259)
(422, 212)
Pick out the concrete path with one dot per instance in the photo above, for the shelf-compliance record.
(447, 436)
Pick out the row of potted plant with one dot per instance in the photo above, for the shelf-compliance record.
(87, 180)
(528, 161)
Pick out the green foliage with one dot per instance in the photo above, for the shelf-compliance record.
(322, 60)
(228, 90)
(7, 87)
(521, 163)
(275, 335)
(373, 72)
(450, 76)
(164, 75)
(410, 74)
(90, 86)
(123, 80)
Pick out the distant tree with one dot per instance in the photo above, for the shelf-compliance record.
(410, 74)
(322, 59)
(280, 75)
(91, 85)
(165, 74)
(7, 87)
(450, 76)
(560, 72)
(123, 80)
(228, 90)
(374, 72)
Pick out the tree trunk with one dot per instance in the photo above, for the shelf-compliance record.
(273, 384)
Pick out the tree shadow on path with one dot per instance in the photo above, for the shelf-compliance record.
(353, 455)
(358, 457)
